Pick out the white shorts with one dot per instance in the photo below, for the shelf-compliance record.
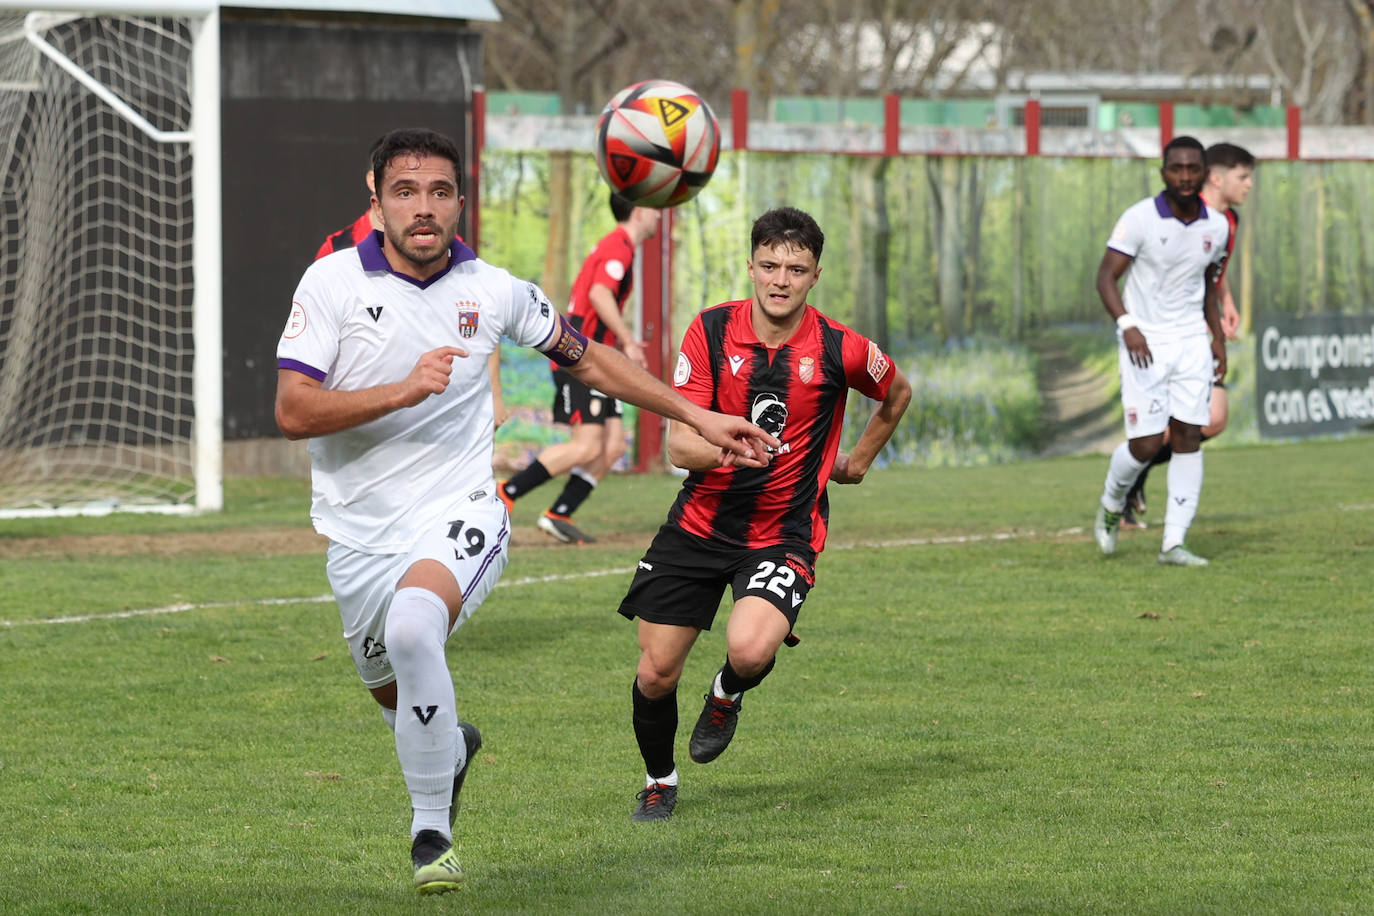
(473, 544)
(1178, 384)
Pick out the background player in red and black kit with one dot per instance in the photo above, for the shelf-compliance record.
(599, 295)
(1230, 176)
(789, 368)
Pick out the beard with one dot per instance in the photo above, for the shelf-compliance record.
(400, 240)
(1182, 199)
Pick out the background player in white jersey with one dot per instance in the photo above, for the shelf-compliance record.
(1230, 176)
(382, 365)
(1170, 248)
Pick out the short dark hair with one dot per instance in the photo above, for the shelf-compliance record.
(1184, 142)
(1228, 156)
(790, 226)
(621, 208)
(419, 140)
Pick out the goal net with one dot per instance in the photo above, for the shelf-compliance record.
(109, 276)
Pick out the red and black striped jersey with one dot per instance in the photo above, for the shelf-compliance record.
(610, 265)
(347, 237)
(797, 392)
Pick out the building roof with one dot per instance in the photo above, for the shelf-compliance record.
(482, 10)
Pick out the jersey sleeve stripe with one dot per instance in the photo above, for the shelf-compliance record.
(297, 366)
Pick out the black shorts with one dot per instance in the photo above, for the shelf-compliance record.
(574, 402)
(682, 577)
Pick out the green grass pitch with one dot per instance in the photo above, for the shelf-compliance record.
(984, 715)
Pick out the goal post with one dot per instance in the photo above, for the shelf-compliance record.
(110, 258)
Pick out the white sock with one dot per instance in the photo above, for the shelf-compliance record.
(719, 692)
(1122, 471)
(579, 471)
(390, 716)
(669, 780)
(1185, 486)
(426, 721)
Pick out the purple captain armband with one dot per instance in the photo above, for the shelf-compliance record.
(567, 345)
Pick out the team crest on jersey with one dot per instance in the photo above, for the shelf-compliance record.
(1206, 244)
(806, 369)
(878, 363)
(467, 318)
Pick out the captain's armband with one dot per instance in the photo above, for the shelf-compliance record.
(568, 345)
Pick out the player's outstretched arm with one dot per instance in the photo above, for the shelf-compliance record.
(608, 370)
(851, 467)
(305, 408)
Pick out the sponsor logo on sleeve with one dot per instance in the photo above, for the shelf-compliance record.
(615, 269)
(878, 363)
(295, 323)
(683, 371)
(538, 298)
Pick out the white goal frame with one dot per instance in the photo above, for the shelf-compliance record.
(203, 142)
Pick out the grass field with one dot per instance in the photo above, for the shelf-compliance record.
(984, 715)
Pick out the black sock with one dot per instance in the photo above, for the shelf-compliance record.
(575, 492)
(655, 723)
(731, 681)
(526, 480)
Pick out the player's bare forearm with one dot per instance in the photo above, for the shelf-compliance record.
(1113, 265)
(304, 409)
(852, 467)
(689, 451)
(610, 371)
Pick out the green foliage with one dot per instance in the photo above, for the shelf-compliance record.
(973, 402)
(984, 716)
(1041, 225)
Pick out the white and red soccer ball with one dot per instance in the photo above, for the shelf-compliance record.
(657, 143)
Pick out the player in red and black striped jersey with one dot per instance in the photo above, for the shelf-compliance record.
(599, 295)
(780, 362)
(1230, 176)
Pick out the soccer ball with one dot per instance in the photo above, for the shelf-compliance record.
(657, 143)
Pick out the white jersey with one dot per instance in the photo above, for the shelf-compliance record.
(356, 324)
(1166, 282)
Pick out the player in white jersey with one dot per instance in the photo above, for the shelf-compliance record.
(1171, 347)
(382, 365)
